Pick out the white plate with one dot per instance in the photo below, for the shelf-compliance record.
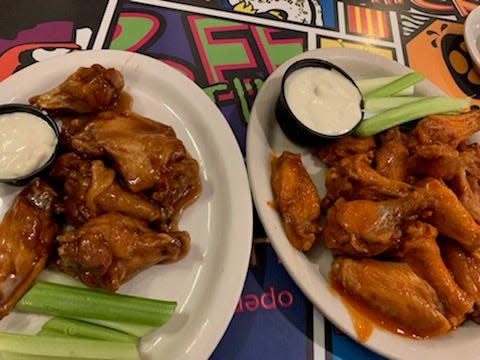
(471, 34)
(310, 271)
(208, 282)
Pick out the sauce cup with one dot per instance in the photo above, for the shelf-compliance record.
(27, 149)
(318, 103)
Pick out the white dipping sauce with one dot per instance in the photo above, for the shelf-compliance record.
(323, 100)
(27, 142)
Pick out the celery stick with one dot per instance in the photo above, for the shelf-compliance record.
(137, 330)
(366, 85)
(72, 327)
(395, 86)
(19, 356)
(67, 347)
(380, 104)
(75, 302)
(411, 111)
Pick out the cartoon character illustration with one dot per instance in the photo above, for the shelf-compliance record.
(440, 49)
(302, 11)
(43, 41)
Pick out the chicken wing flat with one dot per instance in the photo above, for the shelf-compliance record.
(393, 291)
(89, 89)
(91, 189)
(146, 154)
(436, 160)
(392, 155)
(346, 146)
(467, 189)
(111, 248)
(451, 218)
(368, 228)
(27, 235)
(447, 129)
(354, 178)
(420, 250)
(296, 199)
(465, 269)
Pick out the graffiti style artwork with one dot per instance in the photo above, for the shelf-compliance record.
(31, 37)
(229, 48)
(440, 53)
(250, 53)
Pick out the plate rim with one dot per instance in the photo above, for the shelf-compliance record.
(241, 210)
(380, 341)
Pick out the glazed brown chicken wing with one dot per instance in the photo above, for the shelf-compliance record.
(27, 235)
(368, 228)
(89, 89)
(420, 250)
(296, 199)
(111, 248)
(146, 154)
(91, 189)
(394, 292)
(451, 218)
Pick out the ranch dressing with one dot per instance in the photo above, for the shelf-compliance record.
(26, 143)
(323, 100)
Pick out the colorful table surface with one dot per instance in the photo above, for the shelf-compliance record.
(229, 48)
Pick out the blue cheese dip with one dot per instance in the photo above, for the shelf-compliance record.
(323, 100)
(26, 143)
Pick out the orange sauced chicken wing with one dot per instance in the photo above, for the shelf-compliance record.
(368, 228)
(392, 155)
(402, 218)
(420, 250)
(447, 129)
(297, 200)
(451, 218)
(395, 292)
(354, 178)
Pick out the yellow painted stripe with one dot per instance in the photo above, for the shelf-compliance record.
(358, 19)
(381, 24)
(368, 16)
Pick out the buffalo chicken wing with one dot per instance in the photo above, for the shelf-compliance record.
(402, 218)
(296, 199)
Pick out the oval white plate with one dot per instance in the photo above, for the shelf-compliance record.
(208, 282)
(310, 271)
(471, 33)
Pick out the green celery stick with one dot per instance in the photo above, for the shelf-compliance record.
(367, 85)
(395, 86)
(137, 330)
(76, 302)
(67, 347)
(409, 112)
(72, 327)
(381, 104)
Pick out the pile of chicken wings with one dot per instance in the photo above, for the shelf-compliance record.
(110, 204)
(401, 215)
